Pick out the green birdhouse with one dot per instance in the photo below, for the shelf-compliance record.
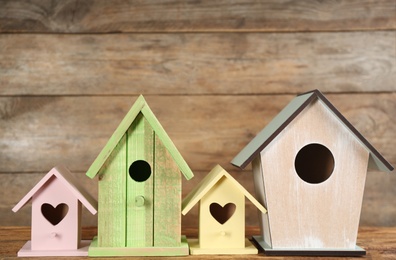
(139, 172)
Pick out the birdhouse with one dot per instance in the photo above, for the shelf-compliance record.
(309, 165)
(56, 215)
(139, 194)
(221, 215)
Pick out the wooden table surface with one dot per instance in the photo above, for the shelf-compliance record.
(379, 242)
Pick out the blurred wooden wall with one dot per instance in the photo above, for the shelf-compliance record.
(214, 73)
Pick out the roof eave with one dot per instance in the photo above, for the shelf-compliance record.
(140, 105)
(167, 142)
(208, 183)
(245, 157)
(116, 137)
(377, 160)
(30, 194)
(63, 174)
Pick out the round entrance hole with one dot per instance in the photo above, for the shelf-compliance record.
(140, 170)
(314, 163)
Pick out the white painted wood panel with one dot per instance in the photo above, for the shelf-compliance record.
(324, 215)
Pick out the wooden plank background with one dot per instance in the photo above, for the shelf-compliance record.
(214, 73)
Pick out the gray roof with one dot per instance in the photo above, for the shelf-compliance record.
(265, 137)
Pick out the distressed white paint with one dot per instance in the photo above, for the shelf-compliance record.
(260, 195)
(324, 215)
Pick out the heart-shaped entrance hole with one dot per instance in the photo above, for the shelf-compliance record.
(54, 215)
(222, 214)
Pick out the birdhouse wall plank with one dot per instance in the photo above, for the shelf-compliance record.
(320, 215)
(260, 195)
(102, 17)
(167, 198)
(112, 197)
(231, 233)
(140, 201)
(79, 223)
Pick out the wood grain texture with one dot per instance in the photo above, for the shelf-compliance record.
(139, 225)
(167, 198)
(74, 16)
(186, 63)
(378, 241)
(215, 73)
(259, 189)
(167, 142)
(377, 208)
(182, 250)
(112, 197)
(324, 213)
(116, 137)
(207, 130)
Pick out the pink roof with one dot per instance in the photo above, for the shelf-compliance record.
(63, 174)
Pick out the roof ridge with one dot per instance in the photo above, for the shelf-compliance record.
(63, 174)
(314, 91)
(140, 106)
(208, 182)
(288, 114)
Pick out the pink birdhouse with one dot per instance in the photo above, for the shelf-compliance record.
(57, 201)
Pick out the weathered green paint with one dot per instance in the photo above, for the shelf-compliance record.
(116, 137)
(139, 106)
(167, 198)
(139, 215)
(139, 218)
(170, 146)
(96, 251)
(112, 197)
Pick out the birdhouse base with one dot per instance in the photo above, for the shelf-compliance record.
(26, 250)
(249, 249)
(357, 251)
(96, 251)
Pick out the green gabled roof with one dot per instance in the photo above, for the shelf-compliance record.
(140, 106)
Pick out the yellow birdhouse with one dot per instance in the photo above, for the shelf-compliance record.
(221, 215)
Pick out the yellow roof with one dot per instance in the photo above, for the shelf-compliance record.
(207, 184)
